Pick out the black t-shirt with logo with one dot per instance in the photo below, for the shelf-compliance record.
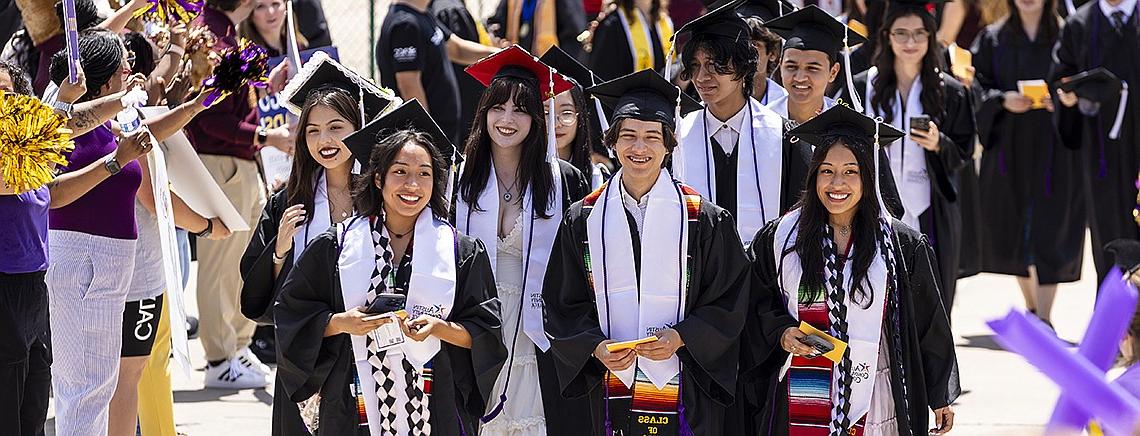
(411, 40)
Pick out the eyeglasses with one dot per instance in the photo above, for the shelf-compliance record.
(566, 117)
(917, 36)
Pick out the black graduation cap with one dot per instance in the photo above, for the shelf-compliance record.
(920, 6)
(644, 95)
(409, 115)
(516, 62)
(841, 120)
(322, 71)
(1094, 84)
(811, 28)
(1126, 253)
(765, 10)
(721, 20)
(568, 66)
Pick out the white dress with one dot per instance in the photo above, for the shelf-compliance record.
(882, 419)
(523, 414)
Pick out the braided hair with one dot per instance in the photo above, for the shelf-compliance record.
(20, 83)
(101, 55)
(86, 14)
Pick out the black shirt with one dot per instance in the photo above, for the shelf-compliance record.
(453, 14)
(411, 40)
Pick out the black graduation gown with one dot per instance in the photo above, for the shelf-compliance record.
(1088, 41)
(454, 15)
(714, 315)
(610, 57)
(569, 20)
(310, 363)
(928, 368)
(942, 222)
(1032, 205)
(795, 163)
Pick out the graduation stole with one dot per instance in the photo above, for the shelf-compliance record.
(319, 219)
(545, 28)
(911, 175)
(637, 33)
(395, 388)
(754, 172)
(646, 396)
(826, 399)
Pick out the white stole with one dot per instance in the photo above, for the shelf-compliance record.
(537, 243)
(762, 158)
(320, 222)
(772, 93)
(864, 326)
(431, 291)
(660, 301)
(908, 164)
(780, 105)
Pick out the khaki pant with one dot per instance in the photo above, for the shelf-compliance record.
(222, 329)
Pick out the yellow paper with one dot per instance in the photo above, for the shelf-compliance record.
(1036, 90)
(840, 346)
(858, 27)
(618, 346)
(960, 62)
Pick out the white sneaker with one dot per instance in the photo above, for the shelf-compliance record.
(231, 374)
(249, 360)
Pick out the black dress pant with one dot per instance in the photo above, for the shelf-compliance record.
(25, 356)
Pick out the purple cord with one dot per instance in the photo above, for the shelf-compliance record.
(682, 422)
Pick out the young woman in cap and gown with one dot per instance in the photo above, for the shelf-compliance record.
(579, 119)
(633, 35)
(645, 257)
(317, 194)
(388, 323)
(732, 151)
(1033, 206)
(511, 194)
(906, 82)
(839, 264)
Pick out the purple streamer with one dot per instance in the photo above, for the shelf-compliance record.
(1116, 303)
(1111, 405)
(71, 36)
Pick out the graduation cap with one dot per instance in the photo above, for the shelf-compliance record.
(515, 62)
(765, 10)
(856, 130)
(1099, 85)
(919, 6)
(568, 66)
(811, 28)
(646, 96)
(721, 20)
(409, 115)
(322, 71)
(1126, 253)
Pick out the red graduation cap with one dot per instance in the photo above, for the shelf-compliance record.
(515, 62)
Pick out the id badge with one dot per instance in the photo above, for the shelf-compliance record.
(388, 335)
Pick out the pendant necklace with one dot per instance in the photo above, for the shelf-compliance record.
(400, 235)
(507, 194)
(844, 230)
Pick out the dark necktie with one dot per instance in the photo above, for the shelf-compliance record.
(1118, 21)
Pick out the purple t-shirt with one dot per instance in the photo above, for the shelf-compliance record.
(23, 231)
(108, 209)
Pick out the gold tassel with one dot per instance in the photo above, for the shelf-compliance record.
(33, 139)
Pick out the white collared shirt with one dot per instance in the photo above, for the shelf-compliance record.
(728, 132)
(1126, 6)
(635, 208)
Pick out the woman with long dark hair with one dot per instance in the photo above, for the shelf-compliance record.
(511, 194)
(317, 194)
(839, 264)
(634, 35)
(388, 322)
(578, 119)
(1031, 202)
(266, 27)
(905, 87)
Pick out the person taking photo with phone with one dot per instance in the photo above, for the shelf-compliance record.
(907, 88)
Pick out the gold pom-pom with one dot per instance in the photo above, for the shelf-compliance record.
(33, 139)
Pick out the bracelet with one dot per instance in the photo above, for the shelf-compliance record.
(278, 260)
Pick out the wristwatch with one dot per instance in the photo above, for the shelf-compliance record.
(66, 108)
(209, 229)
(262, 136)
(111, 165)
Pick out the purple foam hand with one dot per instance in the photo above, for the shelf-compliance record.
(1115, 306)
(1077, 378)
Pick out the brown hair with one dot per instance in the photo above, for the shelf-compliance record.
(300, 188)
(368, 198)
(667, 137)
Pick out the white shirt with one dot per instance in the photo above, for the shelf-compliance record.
(1126, 6)
(728, 132)
(635, 208)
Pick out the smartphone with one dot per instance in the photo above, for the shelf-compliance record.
(385, 303)
(921, 122)
(820, 345)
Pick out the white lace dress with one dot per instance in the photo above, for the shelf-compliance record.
(882, 419)
(523, 414)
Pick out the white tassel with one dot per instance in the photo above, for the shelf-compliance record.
(551, 142)
(878, 185)
(678, 163)
(1115, 132)
(669, 58)
(847, 70)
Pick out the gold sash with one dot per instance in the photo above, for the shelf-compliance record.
(643, 57)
